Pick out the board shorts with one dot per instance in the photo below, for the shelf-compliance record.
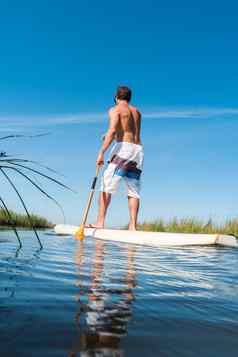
(125, 163)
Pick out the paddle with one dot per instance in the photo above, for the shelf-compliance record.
(80, 232)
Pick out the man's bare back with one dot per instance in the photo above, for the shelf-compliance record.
(128, 123)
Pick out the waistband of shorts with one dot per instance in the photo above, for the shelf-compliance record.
(127, 143)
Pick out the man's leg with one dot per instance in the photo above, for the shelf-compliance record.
(103, 203)
(133, 204)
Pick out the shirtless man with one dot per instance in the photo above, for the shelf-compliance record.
(126, 157)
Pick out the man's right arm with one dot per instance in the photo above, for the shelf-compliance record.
(138, 127)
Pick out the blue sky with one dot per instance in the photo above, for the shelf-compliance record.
(59, 66)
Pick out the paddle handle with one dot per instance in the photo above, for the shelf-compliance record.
(90, 197)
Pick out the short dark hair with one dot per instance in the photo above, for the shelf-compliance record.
(123, 93)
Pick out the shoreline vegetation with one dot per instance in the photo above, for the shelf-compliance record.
(191, 225)
(21, 221)
(175, 225)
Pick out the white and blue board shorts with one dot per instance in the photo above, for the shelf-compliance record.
(125, 163)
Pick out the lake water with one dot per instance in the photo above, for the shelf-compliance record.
(107, 299)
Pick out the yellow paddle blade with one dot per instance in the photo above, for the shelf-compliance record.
(79, 234)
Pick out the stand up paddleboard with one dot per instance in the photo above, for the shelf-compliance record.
(155, 239)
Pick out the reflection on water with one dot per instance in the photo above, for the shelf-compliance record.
(106, 299)
(104, 310)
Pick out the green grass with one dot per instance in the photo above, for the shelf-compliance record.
(191, 225)
(22, 221)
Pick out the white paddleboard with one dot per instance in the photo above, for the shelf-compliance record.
(155, 239)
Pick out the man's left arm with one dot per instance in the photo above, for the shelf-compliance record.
(109, 137)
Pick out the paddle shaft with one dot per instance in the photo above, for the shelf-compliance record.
(90, 197)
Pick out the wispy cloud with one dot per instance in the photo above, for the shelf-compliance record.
(30, 122)
(34, 121)
(190, 113)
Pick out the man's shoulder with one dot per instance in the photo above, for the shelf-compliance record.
(113, 110)
(135, 110)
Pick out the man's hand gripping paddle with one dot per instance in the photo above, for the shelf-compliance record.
(80, 232)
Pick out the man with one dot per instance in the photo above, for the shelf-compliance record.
(126, 157)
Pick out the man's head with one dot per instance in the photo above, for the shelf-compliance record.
(123, 93)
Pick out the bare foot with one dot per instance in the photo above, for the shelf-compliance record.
(131, 228)
(96, 225)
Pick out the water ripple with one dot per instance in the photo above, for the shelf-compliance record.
(96, 298)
